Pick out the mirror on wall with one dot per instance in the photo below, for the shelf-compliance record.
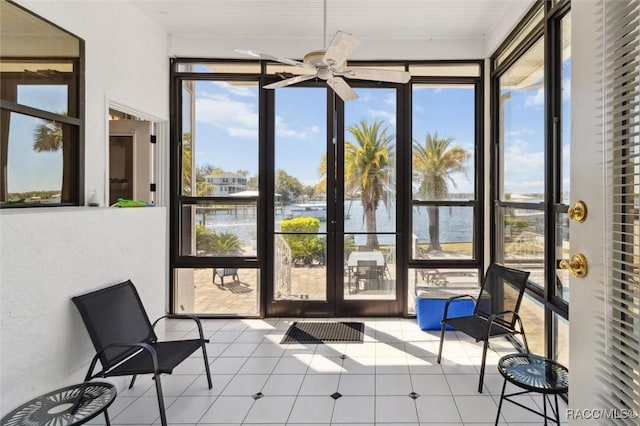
(41, 119)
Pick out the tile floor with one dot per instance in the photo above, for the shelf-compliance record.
(258, 381)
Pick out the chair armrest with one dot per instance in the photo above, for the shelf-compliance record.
(144, 346)
(492, 318)
(184, 316)
(451, 299)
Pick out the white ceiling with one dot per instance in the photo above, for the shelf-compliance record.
(292, 27)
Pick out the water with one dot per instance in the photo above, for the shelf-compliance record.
(456, 223)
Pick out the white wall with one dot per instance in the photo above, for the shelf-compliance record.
(49, 255)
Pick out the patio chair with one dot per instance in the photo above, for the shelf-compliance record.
(125, 341)
(367, 271)
(495, 312)
(225, 272)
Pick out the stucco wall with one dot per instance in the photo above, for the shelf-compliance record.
(47, 257)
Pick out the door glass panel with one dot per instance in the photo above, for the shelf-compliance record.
(369, 273)
(300, 207)
(370, 195)
(219, 138)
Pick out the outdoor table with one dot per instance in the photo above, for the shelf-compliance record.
(71, 405)
(534, 374)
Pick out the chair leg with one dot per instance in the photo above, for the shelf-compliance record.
(504, 386)
(484, 360)
(106, 418)
(133, 380)
(441, 342)
(163, 415)
(206, 364)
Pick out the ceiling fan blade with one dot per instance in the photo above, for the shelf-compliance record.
(391, 76)
(342, 89)
(340, 49)
(290, 81)
(270, 57)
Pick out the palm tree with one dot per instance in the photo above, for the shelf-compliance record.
(434, 162)
(49, 137)
(368, 170)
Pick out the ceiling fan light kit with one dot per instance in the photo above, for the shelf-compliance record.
(331, 65)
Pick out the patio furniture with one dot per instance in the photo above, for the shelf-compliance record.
(125, 341)
(353, 261)
(495, 312)
(535, 374)
(71, 405)
(225, 272)
(367, 272)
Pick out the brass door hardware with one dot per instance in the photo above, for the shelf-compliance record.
(578, 211)
(577, 265)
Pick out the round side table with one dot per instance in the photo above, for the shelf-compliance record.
(72, 405)
(534, 374)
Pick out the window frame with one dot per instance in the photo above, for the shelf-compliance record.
(552, 205)
(75, 117)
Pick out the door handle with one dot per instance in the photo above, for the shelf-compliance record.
(577, 266)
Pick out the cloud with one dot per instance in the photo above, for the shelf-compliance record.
(535, 100)
(385, 116)
(283, 129)
(519, 132)
(219, 110)
(237, 89)
(523, 167)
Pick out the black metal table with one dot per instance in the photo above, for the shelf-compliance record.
(534, 374)
(71, 405)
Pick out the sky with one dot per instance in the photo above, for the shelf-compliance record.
(226, 130)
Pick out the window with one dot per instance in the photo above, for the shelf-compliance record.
(270, 183)
(40, 121)
(531, 121)
(445, 184)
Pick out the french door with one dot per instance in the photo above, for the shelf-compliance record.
(334, 234)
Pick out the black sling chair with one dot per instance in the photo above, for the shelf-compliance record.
(125, 341)
(495, 312)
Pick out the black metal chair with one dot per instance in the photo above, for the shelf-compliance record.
(495, 312)
(125, 341)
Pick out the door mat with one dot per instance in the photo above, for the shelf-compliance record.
(324, 332)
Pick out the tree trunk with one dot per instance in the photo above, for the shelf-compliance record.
(370, 220)
(434, 227)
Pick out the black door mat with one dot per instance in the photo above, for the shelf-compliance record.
(324, 332)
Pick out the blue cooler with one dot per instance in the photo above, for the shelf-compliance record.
(429, 311)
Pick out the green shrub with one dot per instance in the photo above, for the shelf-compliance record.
(306, 249)
(216, 243)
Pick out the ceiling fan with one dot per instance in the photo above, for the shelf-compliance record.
(330, 64)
